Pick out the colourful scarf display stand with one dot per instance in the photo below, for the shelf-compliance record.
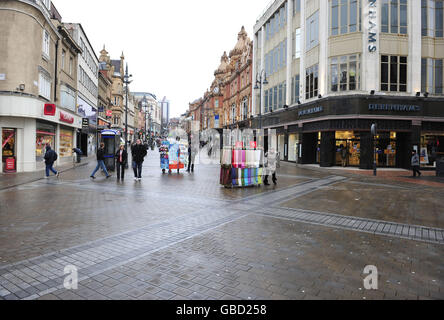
(240, 168)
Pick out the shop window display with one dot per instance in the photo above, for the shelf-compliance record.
(432, 149)
(66, 143)
(43, 137)
(8, 149)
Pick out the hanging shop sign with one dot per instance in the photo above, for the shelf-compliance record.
(85, 123)
(65, 117)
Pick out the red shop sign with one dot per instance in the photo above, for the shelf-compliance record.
(64, 117)
(50, 110)
(109, 113)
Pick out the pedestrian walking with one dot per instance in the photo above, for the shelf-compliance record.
(191, 157)
(101, 162)
(50, 158)
(415, 164)
(139, 153)
(270, 164)
(121, 162)
(344, 154)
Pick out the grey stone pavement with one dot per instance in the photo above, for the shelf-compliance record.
(184, 237)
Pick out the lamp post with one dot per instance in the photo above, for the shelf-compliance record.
(261, 80)
(126, 82)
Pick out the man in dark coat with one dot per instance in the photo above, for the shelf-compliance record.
(121, 161)
(101, 162)
(50, 158)
(139, 153)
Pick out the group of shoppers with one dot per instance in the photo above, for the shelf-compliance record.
(138, 152)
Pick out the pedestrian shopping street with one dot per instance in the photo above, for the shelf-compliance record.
(186, 237)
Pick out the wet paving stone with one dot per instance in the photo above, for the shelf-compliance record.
(308, 238)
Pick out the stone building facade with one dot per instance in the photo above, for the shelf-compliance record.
(35, 97)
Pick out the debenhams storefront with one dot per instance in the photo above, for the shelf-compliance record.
(317, 132)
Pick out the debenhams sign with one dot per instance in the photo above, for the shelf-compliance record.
(393, 107)
(372, 25)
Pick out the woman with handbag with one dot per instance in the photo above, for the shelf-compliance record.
(121, 162)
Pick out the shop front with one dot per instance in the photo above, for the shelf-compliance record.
(336, 131)
(9, 153)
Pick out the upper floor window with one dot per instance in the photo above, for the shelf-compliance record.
(63, 59)
(432, 18)
(46, 43)
(312, 31)
(44, 86)
(394, 16)
(394, 73)
(297, 44)
(296, 6)
(344, 16)
(432, 76)
(295, 89)
(344, 73)
(311, 82)
(71, 63)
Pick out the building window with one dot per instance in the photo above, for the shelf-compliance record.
(44, 86)
(345, 73)
(266, 101)
(432, 76)
(297, 44)
(344, 16)
(71, 63)
(394, 16)
(46, 43)
(312, 31)
(295, 89)
(432, 18)
(394, 73)
(270, 99)
(311, 80)
(63, 59)
(280, 105)
(245, 108)
(233, 113)
(296, 6)
(275, 98)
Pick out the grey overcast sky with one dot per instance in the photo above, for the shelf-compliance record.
(172, 47)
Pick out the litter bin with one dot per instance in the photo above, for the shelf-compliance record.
(440, 167)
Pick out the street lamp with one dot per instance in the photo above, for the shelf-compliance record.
(126, 81)
(261, 80)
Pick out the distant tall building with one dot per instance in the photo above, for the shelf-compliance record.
(165, 108)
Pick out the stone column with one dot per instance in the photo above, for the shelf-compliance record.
(323, 47)
(302, 60)
(289, 50)
(415, 47)
(370, 64)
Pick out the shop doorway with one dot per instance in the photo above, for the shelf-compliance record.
(9, 157)
(348, 149)
(348, 153)
(386, 150)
